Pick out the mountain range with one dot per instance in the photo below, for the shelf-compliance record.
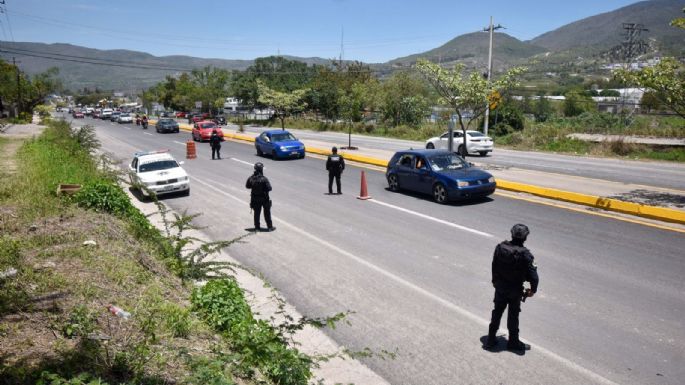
(590, 37)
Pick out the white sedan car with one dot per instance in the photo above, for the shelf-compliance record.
(125, 118)
(476, 142)
(159, 172)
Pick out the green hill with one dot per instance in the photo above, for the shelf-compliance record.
(604, 31)
(472, 50)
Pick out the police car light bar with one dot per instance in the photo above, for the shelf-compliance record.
(140, 153)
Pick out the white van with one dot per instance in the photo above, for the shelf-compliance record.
(106, 113)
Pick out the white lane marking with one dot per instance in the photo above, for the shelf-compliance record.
(128, 128)
(457, 309)
(243, 162)
(147, 133)
(424, 216)
(181, 143)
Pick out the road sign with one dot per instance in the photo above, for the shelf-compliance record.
(494, 99)
(198, 104)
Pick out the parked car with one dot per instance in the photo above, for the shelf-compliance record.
(203, 130)
(167, 125)
(279, 144)
(476, 142)
(181, 114)
(444, 174)
(78, 114)
(159, 172)
(125, 118)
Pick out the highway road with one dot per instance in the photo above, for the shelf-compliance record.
(609, 310)
(657, 174)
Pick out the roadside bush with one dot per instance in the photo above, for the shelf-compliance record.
(103, 195)
(222, 305)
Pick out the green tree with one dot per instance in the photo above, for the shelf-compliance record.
(283, 103)
(334, 84)
(466, 92)
(577, 102)
(404, 99)
(666, 80)
(543, 109)
(650, 102)
(27, 92)
(679, 22)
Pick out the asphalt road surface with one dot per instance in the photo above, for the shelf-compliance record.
(610, 305)
(657, 174)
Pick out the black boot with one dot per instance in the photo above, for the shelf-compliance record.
(516, 345)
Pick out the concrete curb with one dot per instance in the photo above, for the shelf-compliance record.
(652, 212)
(645, 211)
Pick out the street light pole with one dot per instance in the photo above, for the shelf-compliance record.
(490, 29)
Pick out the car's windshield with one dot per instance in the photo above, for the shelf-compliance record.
(158, 165)
(166, 121)
(125, 115)
(282, 137)
(447, 162)
(208, 126)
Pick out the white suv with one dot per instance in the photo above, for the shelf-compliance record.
(159, 172)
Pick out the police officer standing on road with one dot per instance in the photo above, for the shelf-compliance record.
(215, 143)
(259, 196)
(335, 166)
(512, 264)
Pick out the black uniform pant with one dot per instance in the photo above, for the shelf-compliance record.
(331, 176)
(512, 299)
(216, 150)
(257, 208)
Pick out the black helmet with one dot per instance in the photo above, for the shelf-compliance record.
(259, 167)
(335, 150)
(519, 232)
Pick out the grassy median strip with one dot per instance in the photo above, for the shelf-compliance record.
(91, 292)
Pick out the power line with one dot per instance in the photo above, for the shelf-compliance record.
(47, 56)
(9, 26)
(129, 64)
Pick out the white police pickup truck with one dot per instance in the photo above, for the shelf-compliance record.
(159, 172)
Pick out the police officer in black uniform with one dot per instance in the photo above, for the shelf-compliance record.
(259, 196)
(335, 166)
(512, 264)
(215, 143)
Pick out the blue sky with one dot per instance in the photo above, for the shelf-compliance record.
(374, 30)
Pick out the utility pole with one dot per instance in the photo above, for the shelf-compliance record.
(490, 29)
(19, 103)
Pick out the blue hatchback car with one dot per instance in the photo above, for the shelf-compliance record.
(279, 144)
(441, 173)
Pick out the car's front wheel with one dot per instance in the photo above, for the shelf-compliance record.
(393, 183)
(259, 151)
(440, 193)
(430, 146)
(483, 153)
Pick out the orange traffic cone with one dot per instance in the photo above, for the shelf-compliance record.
(191, 153)
(364, 193)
